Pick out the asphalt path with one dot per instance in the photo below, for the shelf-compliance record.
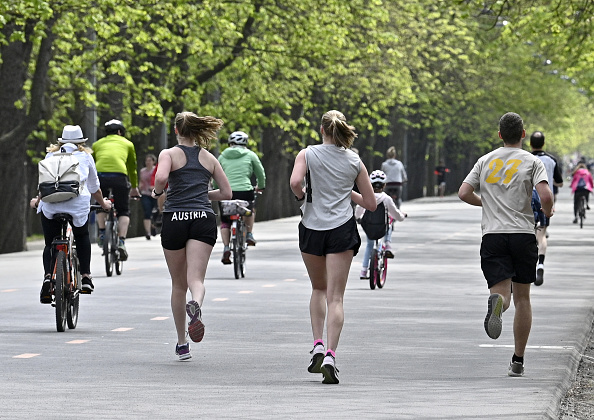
(413, 350)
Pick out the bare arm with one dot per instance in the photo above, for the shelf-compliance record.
(299, 169)
(162, 175)
(224, 191)
(466, 193)
(546, 198)
(366, 198)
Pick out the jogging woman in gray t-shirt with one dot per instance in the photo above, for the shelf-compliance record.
(328, 236)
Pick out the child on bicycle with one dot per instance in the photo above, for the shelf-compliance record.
(378, 181)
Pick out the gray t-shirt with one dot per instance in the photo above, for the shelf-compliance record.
(505, 178)
(333, 171)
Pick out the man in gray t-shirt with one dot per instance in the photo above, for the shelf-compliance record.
(506, 177)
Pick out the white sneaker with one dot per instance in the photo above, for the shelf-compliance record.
(316, 359)
(329, 370)
(364, 274)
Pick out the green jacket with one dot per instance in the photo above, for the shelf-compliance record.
(115, 153)
(239, 163)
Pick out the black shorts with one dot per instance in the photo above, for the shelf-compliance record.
(333, 241)
(120, 188)
(238, 195)
(509, 255)
(180, 226)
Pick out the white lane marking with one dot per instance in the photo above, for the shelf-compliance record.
(122, 329)
(530, 347)
(290, 280)
(220, 299)
(245, 292)
(159, 318)
(77, 341)
(269, 285)
(9, 290)
(26, 355)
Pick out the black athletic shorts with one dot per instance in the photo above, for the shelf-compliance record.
(180, 226)
(120, 188)
(333, 241)
(509, 255)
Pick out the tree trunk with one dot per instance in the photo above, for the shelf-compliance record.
(277, 201)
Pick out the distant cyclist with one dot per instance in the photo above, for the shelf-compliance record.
(72, 141)
(239, 163)
(115, 157)
(395, 176)
(581, 186)
(378, 181)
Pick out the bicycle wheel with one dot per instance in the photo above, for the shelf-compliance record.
(60, 291)
(73, 293)
(115, 250)
(235, 249)
(381, 277)
(107, 249)
(243, 251)
(373, 269)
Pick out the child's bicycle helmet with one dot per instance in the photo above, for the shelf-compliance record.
(378, 177)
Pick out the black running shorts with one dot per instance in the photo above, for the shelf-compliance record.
(120, 188)
(333, 241)
(180, 226)
(509, 255)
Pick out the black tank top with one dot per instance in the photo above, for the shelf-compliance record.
(188, 185)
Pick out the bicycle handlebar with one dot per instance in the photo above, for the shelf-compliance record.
(98, 208)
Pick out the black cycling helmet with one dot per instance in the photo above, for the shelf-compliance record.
(113, 126)
(238, 137)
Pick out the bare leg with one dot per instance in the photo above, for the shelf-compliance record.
(541, 238)
(176, 262)
(188, 269)
(316, 268)
(226, 236)
(123, 223)
(504, 289)
(249, 220)
(337, 267)
(522, 317)
(101, 220)
(147, 226)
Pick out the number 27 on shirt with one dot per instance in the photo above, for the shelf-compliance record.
(499, 169)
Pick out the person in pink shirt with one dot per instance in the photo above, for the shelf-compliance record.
(581, 186)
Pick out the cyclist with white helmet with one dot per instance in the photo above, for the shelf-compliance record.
(115, 158)
(239, 163)
(378, 182)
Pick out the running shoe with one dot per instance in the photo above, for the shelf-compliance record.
(226, 256)
(388, 250)
(183, 351)
(122, 249)
(329, 370)
(493, 320)
(317, 358)
(249, 238)
(45, 296)
(363, 275)
(195, 326)
(539, 275)
(515, 369)
(87, 285)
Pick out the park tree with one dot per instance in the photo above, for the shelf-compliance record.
(430, 78)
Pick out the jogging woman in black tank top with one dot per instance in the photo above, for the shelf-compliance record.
(189, 229)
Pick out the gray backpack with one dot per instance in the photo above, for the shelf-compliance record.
(59, 179)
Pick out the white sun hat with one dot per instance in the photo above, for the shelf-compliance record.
(72, 134)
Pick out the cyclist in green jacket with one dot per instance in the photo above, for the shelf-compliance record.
(239, 163)
(115, 158)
